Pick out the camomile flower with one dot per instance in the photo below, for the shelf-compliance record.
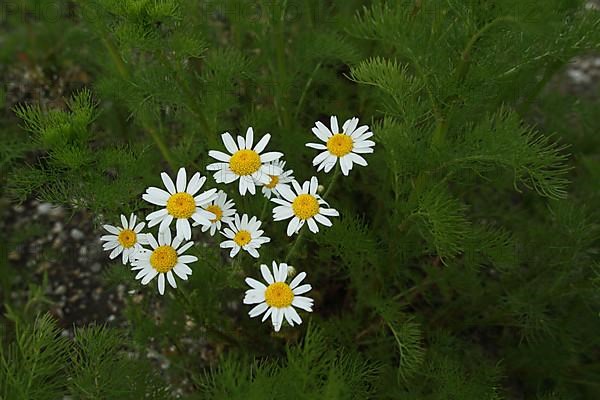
(166, 258)
(223, 211)
(278, 179)
(277, 299)
(345, 145)
(245, 163)
(244, 234)
(304, 206)
(179, 203)
(125, 239)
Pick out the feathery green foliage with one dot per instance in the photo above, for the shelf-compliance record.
(463, 264)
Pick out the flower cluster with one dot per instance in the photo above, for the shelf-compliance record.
(184, 204)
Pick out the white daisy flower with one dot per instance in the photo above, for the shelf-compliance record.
(180, 203)
(303, 206)
(278, 179)
(125, 240)
(344, 146)
(244, 234)
(278, 298)
(245, 162)
(165, 258)
(223, 210)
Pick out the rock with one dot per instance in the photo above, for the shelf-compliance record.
(62, 289)
(96, 267)
(76, 234)
(57, 227)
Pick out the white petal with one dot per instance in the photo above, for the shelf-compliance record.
(149, 276)
(195, 183)
(157, 214)
(302, 289)
(297, 279)
(294, 315)
(330, 212)
(346, 165)
(229, 142)
(322, 220)
(219, 155)
(316, 146)
(293, 226)
(334, 125)
(161, 284)
(252, 251)
(164, 226)
(151, 240)
(324, 130)
(358, 132)
(262, 143)
(314, 184)
(249, 138)
(253, 283)
(270, 156)
(321, 134)
(184, 248)
(187, 259)
(171, 279)
(319, 158)
(257, 310)
(286, 193)
(184, 229)
(329, 163)
(168, 182)
(302, 302)
(266, 274)
(111, 229)
(350, 126)
(138, 228)
(181, 270)
(159, 194)
(132, 220)
(312, 225)
(181, 180)
(357, 159)
(116, 251)
(124, 222)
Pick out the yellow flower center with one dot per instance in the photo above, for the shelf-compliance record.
(127, 238)
(163, 258)
(279, 295)
(273, 183)
(215, 209)
(181, 205)
(242, 238)
(340, 144)
(245, 162)
(305, 206)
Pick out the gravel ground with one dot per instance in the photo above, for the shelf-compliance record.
(65, 247)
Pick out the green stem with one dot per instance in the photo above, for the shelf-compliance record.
(115, 57)
(465, 59)
(333, 180)
(125, 75)
(162, 147)
(549, 72)
(305, 90)
(196, 107)
(264, 209)
(209, 329)
(296, 244)
(280, 56)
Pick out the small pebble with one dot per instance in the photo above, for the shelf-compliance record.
(96, 267)
(77, 234)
